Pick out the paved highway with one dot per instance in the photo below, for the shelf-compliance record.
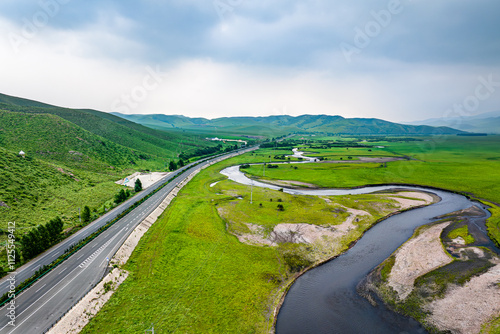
(40, 306)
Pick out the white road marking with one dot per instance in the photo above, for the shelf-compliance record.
(40, 288)
(62, 271)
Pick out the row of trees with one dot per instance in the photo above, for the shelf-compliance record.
(174, 165)
(203, 152)
(122, 196)
(41, 238)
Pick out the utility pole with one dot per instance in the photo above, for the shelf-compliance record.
(152, 330)
(251, 192)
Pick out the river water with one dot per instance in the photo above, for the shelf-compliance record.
(324, 299)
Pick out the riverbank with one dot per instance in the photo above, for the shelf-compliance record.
(313, 245)
(446, 276)
(406, 206)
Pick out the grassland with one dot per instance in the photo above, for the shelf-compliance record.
(191, 274)
(457, 163)
(462, 164)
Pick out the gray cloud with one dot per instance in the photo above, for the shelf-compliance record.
(425, 58)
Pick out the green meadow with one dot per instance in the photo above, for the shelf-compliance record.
(463, 164)
(191, 274)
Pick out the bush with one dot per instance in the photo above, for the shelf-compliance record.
(86, 214)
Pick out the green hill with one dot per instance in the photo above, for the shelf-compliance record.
(34, 191)
(280, 125)
(52, 138)
(141, 139)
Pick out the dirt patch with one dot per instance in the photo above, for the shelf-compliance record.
(59, 169)
(465, 308)
(292, 184)
(418, 256)
(147, 179)
(380, 160)
(298, 233)
(256, 237)
(412, 199)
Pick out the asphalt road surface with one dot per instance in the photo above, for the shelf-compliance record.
(40, 306)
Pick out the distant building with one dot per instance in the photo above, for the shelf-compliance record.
(21, 153)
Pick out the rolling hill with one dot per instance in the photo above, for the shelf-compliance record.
(487, 122)
(53, 138)
(140, 141)
(279, 125)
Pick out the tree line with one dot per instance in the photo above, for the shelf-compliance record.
(41, 238)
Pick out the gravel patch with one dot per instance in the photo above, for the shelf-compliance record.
(418, 256)
(464, 309)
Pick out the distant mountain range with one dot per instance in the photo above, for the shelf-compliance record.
(88, 138)
(279, 125)
(486, 123)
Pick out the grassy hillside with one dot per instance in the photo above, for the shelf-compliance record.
(273, 126)
(52, 138)
(33, 191)
(139, 138)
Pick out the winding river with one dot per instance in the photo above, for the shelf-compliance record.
(324, 299)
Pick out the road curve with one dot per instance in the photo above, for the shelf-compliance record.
(40, 306)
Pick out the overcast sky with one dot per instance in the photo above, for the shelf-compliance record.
(396, 60)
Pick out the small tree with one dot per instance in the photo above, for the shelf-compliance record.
(138, 185)
(172, 165)
(86, 214)
(120, 197)
(281, 207)
(181, 162)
